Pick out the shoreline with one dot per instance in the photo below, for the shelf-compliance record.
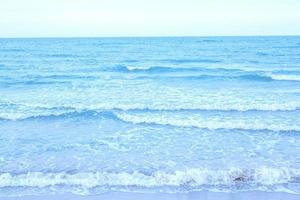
(204, 195)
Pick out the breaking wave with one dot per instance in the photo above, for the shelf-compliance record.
(195, 177)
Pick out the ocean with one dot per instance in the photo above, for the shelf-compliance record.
(89, 116)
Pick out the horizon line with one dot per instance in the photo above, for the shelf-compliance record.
(144, 36)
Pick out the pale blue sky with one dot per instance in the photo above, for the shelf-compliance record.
(52, 18)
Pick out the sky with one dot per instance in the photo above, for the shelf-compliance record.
(95, 18)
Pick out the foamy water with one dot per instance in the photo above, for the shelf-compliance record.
(88, 116)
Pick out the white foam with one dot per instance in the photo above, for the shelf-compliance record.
(283, 77)
(133, 68)
(259, 121)
(192, 177)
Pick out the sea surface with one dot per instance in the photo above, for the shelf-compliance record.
(176, 115)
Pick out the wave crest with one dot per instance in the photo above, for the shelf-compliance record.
(226, 73)
(278, 121)
(214, 121)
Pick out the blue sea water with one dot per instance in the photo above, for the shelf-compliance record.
(182, 114)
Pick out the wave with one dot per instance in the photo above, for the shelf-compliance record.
(161, 69)
(218, 120)
(67, 114)
(58, 76)
(285, 77)
(211, 120)
(195, 178)
(159, 72)
(32, 82)
(207, 73)
(246, 77)
(59, 55)
(208, 41)
(15, 50)
(251, 77)
(185, 61)
(16, 111)
(64, 80)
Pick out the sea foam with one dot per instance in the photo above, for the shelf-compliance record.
(190, 177)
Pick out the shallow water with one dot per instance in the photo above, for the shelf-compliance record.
(89, 116)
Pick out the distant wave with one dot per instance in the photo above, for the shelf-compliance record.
(195, 60)
(63, 80)
(158, 72)
(13, 50)
(195, 178)
(32, 82)
(161, 69)
(284, 77)
(263, 54)
(59, 55)
(227, 73)
(249, 77)
(252, 77)
(208, 41)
